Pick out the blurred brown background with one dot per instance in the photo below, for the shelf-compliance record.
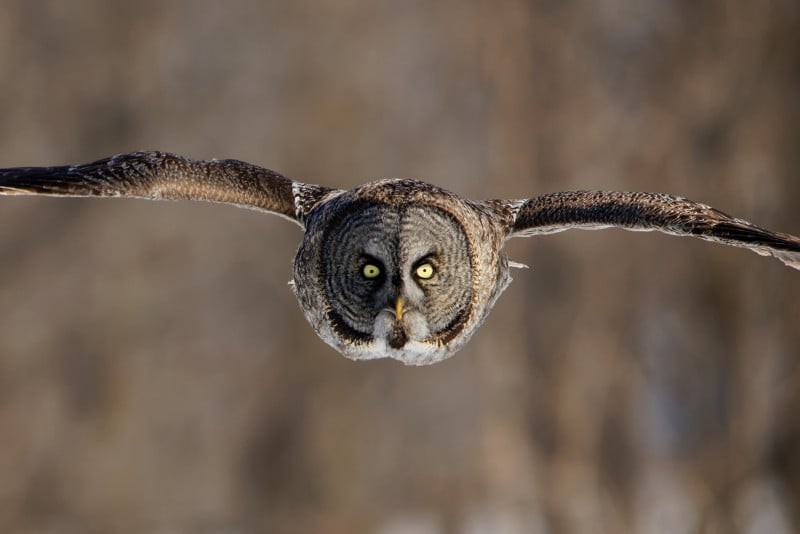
(156, 374)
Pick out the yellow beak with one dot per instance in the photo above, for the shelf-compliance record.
(398, 307)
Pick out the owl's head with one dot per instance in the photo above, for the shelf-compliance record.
(381, 273)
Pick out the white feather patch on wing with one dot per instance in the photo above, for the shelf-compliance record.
(791, 259)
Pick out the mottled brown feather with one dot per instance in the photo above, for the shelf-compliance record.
(164, 176)
(556, 212)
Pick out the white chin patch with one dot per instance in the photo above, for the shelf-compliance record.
(413, 352)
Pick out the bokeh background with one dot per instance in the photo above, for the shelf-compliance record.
(156, 373)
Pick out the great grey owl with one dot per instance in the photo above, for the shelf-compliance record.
(396, 268)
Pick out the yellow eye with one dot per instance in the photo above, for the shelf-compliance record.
(425, 271)
(371, 271)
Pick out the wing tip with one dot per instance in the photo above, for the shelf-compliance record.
(8, 190)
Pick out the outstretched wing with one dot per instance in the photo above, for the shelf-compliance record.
(164, 176)
(644, 212)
